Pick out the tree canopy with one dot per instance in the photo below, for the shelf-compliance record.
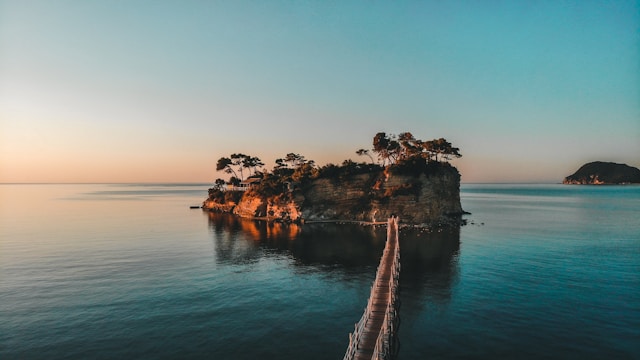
(241, 161)
(391, 149)
(292, 161)
(402, 153)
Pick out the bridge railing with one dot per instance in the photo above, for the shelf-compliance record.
(384, 341)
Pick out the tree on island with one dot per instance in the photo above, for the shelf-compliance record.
(362, 152)
(400, 154)
(292, 161)
(242, 162)
(219, 184)
(251, 162)
(392, 149)
(410, 146)
(441, 149)
(386, 147)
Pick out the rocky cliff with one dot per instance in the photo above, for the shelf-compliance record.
(598, 172)
(375, 197)
(427, 198)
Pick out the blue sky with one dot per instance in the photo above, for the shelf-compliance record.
(126, 91)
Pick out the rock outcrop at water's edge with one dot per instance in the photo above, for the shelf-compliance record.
(599, 173)
(431, 197)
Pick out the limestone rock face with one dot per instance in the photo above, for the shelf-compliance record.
(254, 206)
(251, 206)
(334, 199)
(598, 173)
(427, 199)
(287, 210)
(375, 197)
(218, 207)
(424, 199)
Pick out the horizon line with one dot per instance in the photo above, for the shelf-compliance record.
(203, 183)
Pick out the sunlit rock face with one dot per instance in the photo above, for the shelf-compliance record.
(427, 199)
(339, 199)
(599, 173)
(432, 198)
(251, 206)
(218, 207)
(282, 208)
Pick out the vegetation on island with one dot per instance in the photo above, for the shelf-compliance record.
(599, 173)
(396, 154)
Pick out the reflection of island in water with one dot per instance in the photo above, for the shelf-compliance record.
(428, 259)
(429, 265)
(239, 240)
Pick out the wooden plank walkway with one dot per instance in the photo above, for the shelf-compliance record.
(374, 332)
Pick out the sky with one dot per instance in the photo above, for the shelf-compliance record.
(157, 91)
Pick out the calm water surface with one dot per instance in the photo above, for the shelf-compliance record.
(129, 271)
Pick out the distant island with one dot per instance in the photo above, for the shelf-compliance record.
(602, 173)
(405, 176)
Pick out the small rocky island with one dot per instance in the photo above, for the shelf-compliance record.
(411, 178)
(601, 173)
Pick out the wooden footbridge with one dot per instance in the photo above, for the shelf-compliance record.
(374, 334)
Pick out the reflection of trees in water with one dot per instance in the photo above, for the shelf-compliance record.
(232, 243)
(347, 245)
(429, 266)
(429, 259)
(239, 240)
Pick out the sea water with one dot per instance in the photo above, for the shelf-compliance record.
(108, 271)
(543, 271)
